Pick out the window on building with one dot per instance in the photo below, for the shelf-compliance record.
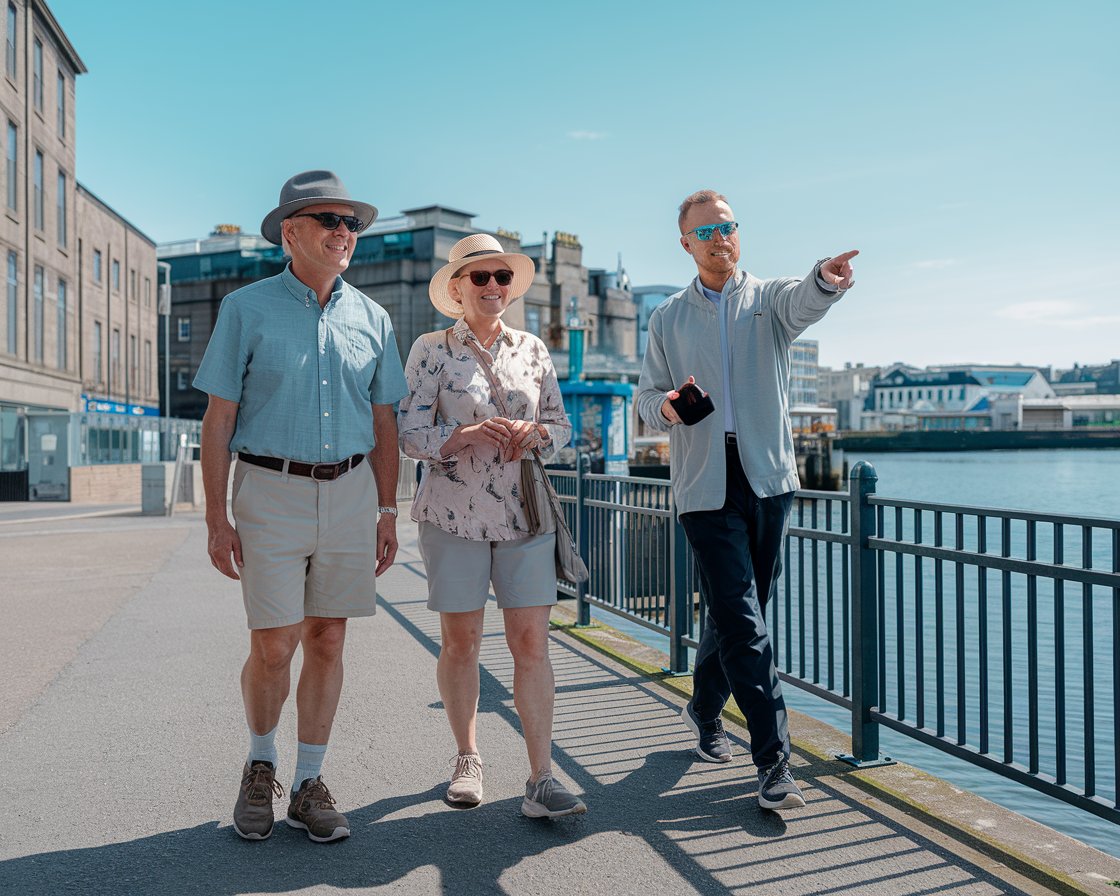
(533, 320)
(132, 293)
(147, 367)
(96, 265)
(115, 360)
(61, 328)
(13, 167)
(181, 380)
(10, 44)
(184, 329)
(133, 365)
(97, 378)
(37, 316)
(62, 208)
(147, 292)
(39, 190)
(13, 303)
(37, 75)
(61, 104)
(116, 276)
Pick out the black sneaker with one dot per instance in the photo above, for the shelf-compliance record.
(712, 744)
(776, 787)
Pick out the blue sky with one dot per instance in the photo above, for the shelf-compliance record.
(968, 149)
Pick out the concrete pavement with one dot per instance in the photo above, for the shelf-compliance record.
(123, 737)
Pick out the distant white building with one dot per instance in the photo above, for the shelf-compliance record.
(957, 397)
(804, 357)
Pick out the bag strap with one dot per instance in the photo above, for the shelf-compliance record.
(496, 391)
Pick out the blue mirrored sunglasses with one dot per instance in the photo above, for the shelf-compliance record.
(705, 233)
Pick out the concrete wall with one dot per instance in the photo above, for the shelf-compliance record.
(105, 484)
(121, 484)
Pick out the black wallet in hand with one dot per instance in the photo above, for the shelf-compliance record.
(692, 405)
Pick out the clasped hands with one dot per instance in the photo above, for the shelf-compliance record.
(512, 439)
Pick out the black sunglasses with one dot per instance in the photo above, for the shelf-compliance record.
(481, 278)
(331, 221)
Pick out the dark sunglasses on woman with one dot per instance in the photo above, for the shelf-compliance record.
(481, 278)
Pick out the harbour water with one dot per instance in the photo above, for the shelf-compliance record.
(1065, 481)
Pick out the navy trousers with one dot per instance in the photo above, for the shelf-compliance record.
(738, 551)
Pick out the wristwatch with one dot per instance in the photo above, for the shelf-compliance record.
(392, 511)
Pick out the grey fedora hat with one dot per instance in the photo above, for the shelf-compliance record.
(311, 188)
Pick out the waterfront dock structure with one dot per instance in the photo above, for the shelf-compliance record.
(121, 728)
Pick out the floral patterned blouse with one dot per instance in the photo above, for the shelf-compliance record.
(473, 494)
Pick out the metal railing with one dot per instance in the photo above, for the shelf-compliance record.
(990, 634)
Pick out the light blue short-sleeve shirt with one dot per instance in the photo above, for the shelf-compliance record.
(305, 378)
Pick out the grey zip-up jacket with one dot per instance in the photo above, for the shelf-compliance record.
(764, 317)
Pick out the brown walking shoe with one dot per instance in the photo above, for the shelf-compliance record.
(466, 780)
(311, 810)
(252, 814)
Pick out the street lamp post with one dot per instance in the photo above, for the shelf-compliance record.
(165, 310)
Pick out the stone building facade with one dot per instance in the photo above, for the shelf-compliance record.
(392, 263)
(77, 315)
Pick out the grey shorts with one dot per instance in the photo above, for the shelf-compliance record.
(461, 571)
(308, 546)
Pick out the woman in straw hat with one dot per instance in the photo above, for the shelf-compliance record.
(474, 531)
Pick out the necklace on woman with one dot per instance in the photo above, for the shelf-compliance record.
(491, 339)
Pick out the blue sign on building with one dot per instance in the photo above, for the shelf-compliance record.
(101, 406)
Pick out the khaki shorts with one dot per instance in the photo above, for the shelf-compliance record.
(461, 570)
(308, 546)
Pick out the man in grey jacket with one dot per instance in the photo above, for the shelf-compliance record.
(734, 472)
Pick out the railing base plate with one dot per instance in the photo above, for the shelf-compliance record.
(866, 763)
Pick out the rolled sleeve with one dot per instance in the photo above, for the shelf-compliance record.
(222, 371)
(421, 435)
(388, 385)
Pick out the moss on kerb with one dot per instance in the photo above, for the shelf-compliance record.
(611, 642)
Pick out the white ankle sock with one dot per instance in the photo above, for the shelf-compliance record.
(309, 763)
(262, 747)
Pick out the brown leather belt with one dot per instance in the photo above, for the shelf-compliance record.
(318, 472)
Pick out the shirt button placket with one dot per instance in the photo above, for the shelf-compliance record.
(325, 422)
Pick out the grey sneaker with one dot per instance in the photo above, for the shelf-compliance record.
(252, 813)
(548, 798)
(311, 810)
(712, 744)
(776, 787)
(466, 780)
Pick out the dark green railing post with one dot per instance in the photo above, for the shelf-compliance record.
(680, 600)
(865, 622)
(583, 536)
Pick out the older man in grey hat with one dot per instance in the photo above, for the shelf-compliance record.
(302, 372)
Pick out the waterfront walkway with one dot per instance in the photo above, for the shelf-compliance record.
(122, 736)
